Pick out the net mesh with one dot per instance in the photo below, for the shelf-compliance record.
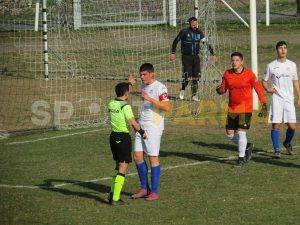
(92, 45)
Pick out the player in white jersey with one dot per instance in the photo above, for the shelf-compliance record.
(155, 102)
(283, 75)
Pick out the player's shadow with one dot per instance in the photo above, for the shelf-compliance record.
(198, 157)
(260, 157)
(228, 147)
(268, 159)
(95, 189)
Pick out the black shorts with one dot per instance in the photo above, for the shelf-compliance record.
(190, 66)
(238, 120)
(120, 145)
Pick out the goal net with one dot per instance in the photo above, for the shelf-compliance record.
(92, 45)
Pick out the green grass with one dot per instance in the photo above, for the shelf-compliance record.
(265, 191)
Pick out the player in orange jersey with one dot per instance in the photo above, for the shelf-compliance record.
(240, 81)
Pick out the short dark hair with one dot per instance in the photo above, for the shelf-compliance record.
(192, 19)
(121, 89)
(147, 67)
(280, 43)
(238, 54)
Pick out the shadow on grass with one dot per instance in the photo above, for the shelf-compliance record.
(261, 157)
(49, 185)
(216, 145)
(198, 157)
(267, 159)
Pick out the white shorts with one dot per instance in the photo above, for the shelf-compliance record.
(150, 145)
(282, 111)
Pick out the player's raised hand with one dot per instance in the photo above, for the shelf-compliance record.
(263, 111)
(132, 79)
(172, 57)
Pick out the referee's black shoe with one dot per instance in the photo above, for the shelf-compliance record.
(119, 202)
(110, 197)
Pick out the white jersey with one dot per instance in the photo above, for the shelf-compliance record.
(150, 117)
(282, 75)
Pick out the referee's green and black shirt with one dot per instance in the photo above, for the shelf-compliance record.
(119, 113)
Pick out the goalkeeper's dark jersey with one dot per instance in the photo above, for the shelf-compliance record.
(190, 41)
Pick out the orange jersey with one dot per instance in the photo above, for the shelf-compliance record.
(240, 87)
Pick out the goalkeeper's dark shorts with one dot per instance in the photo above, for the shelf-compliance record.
(121, 146)
(237, 121)
(190, 66)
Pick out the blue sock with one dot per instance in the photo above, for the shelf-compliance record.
(142, 169)
(289, 136)
(155, 175)
(275, 139)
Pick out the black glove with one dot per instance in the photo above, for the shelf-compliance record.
(263, 111)
(142, 133)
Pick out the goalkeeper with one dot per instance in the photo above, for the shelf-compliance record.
(120, 118)
(190, 45)
(240, 81)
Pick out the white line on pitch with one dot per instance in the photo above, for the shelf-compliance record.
(108, 178)
(54, 137)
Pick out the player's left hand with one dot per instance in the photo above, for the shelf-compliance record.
(263, 111)
(146, 96)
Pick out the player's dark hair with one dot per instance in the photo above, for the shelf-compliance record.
(192, 19)
(147, 67)
(121, 89)
(280, 43)
(238, 54)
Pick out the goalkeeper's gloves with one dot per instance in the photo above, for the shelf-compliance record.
(263, 111)
(142, 133)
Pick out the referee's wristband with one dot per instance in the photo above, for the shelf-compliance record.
(141, 132)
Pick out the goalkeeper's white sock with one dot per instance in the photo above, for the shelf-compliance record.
(242, 143)
(233, 137)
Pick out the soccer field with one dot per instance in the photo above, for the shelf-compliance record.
(57, 176)
(62, 177)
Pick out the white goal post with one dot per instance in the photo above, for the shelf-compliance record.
(137, 16)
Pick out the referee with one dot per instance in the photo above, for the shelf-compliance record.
(121, 119)
(190, 45)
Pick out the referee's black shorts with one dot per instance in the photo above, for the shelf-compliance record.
(191, 66)
(120, 145)
(238, 120)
